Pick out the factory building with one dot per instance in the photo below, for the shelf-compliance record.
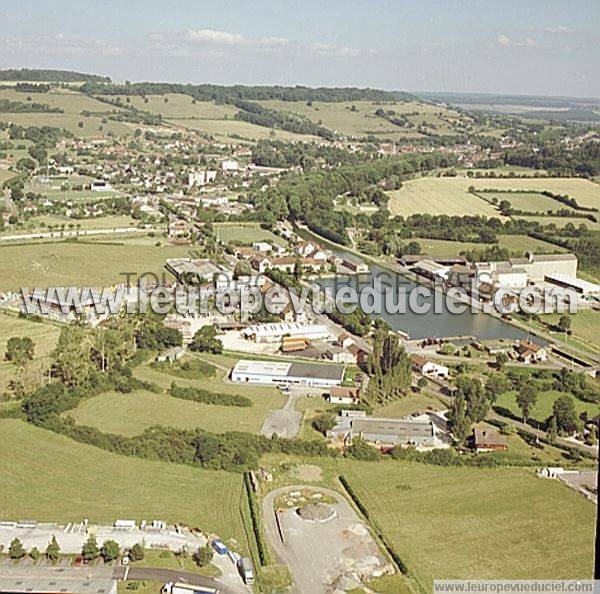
(285, 373)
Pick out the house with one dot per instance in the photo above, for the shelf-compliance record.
(488, 439)
(262, 246)
(291, 344)
(345, 340)
(201, 178)
(428, 368)
(99, 185)
(359, 353)
(171, 355)
(530, 352)
(343, 395)
(338, 354)
(261, 263)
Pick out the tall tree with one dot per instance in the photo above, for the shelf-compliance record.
(389, 368)
(527, 399)
(565, 414)
(15, 549)
(53, 549)
(90, 550)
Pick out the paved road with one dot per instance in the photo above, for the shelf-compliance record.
(286, 421)
(74, 233)
(158, 574)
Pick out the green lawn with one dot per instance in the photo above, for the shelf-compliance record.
(48, 477)
(245, 233)
(56, 264)
(442, 521)
(543, 407)
(411, 403)
(130, 414)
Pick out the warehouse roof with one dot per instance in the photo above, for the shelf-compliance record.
(316, 370)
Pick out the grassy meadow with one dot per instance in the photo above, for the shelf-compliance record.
(450, 195)
(130, 414)
(73, 104)
(527, 201)
(442, 521)
(48, 477)
(82, 263)
(245, 233)
(438, 196)
(543, 407)
(232, 130)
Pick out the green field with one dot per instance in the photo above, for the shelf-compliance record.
(514, 243)
(92, 125)
(587, 193)
(130, 414)
(59, 264)
(43, 335)
(341, 118)
(73, 104)
(245, 233)
(411, 403)
(438, 196)
(526, 201)
(543, 407)
(449, 195)
(51, 478)
(525, 243)
(41, 223)
(179, 106)
(232, 130)
(585, 324)
(560, 222)
(467, 523)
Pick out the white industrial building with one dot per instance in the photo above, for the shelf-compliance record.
(583, 287)
(276, 332)
(201, 178)
(517, 273)
(285, 373)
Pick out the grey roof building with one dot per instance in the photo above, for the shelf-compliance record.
(382, 431)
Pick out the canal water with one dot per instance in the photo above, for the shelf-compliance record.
(439, 325)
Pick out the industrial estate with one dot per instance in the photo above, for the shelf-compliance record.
(295, 445)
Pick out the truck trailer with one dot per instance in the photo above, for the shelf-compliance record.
(181, 588)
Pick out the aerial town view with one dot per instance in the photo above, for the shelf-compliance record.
(299, 298)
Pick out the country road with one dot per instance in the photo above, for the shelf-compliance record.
(73, 233)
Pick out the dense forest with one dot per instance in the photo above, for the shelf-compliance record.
(223, 94)
(27, 74)
(583, 160)
(271, 118)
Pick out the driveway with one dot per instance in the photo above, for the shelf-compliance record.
(286, 421)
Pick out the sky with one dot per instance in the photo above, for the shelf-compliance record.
(524, 47)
